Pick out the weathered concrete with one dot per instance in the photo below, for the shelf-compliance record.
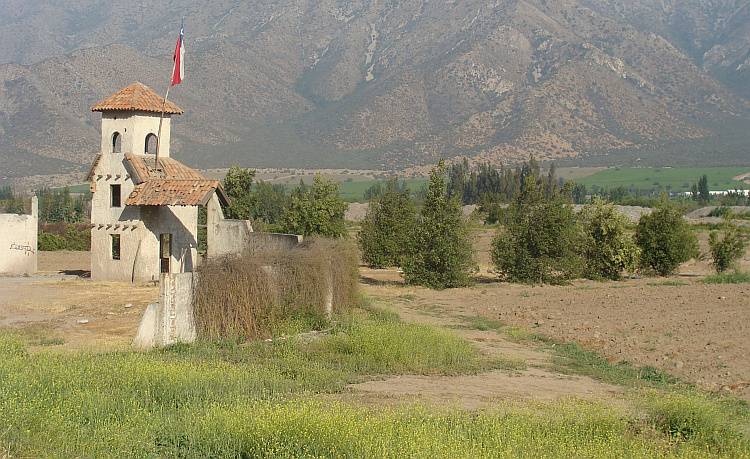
(229, 237)
(134, 127)
(171, 320)
(18, 242)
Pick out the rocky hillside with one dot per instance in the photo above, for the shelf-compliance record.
(385, 84)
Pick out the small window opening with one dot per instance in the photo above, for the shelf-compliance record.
(150, 148)
(116, 143)
(165, 251)
(116, 191)
(115, 246)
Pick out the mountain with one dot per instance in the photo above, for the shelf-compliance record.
(385, 84)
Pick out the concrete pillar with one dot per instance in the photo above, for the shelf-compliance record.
(171, 320)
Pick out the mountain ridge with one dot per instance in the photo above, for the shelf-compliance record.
(385, 85)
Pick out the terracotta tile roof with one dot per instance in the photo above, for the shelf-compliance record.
(141, 168)
(137, 96)
(174, 184)
(175, 193)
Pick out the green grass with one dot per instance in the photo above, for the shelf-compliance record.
(669, 283)
(719, 178)
(734, 277)
(270, 400)
(482, 323)
(574, 357)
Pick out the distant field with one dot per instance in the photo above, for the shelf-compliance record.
(82, 188)
(672, 179)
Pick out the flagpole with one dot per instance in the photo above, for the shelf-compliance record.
(166, 95)
(161, 120)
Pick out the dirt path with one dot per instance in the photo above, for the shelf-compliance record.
(696, 331)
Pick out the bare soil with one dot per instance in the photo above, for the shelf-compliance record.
(695, 331)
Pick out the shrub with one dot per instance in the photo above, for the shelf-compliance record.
(735, 277)
(541, 239)
(727, 248)
(608, 250)
(249, 297)
(386, 229)
(440, 254)
(64, 236)
(665, 240)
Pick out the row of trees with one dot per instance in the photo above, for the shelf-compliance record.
(432, 247)
(542, 240)
(54, 205)
(314, 210)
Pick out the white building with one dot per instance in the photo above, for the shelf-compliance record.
(144, 215)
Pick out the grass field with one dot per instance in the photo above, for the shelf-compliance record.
(673, 179)
(276, 400)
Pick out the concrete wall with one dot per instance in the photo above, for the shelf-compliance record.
(134, 128)
(171, 320)
(139, 243)
(18, 241)
(227, 237)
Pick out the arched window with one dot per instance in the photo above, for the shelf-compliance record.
(150, 144)
(116, 143)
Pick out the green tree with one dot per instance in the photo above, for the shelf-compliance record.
(704, 196)
(541, 238)
(387, 226)
(726, 246)
(60, 206)
(238, 185)
(440, 254)
(271, 201)
(665, 240)
(316, 211)
(608, 250)
(578, 193)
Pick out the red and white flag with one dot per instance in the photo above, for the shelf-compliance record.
(179, 60)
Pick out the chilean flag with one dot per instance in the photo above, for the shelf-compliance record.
(179, 60)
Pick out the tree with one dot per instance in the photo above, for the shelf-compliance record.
(387, 226)
(317, 211)
(271, 201)
(60, 206)
(608, 250)
(238, 185)
(440, 254)
(541, 239)
(704, 196)
(665, 240)
(728, 247)
(578, 193)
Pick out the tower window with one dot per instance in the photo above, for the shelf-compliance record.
(151, 141)
(115, 246)
(116, 192)
(116, 143)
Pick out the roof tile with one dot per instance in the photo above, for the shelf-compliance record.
(173, 184)
(173, 193)
(137, 96)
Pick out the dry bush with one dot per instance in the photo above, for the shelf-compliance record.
(260, 295)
